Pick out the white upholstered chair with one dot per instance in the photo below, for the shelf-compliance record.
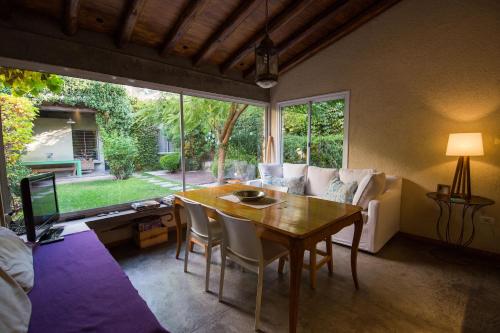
(241, 244)
(201, 230)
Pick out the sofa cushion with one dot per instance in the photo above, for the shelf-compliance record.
(318, 180)
(370, 187)
(270, 170)
(295, 185)
(339, 191)
(353, 175)
(16, 259)
(294, 170)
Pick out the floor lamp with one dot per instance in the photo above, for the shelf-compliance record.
(463, 145)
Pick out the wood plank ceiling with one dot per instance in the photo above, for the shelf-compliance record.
(218, 32)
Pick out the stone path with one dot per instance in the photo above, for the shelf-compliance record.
(162, 183)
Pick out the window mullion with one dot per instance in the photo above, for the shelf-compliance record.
(309, 117)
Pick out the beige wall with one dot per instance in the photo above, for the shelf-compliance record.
(51, 135)
(416, 73)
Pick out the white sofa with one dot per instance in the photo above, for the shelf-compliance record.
(381, 216)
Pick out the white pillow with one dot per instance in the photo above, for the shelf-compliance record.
(370, 187)
(318, 180)
(294, 170)
(15, 306)
(16, 258)
(270, 170)
(354, 175)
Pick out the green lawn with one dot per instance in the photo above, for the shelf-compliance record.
(100, 193)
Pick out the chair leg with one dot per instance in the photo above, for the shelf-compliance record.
(281, 265)
(222, 271)
(312, 267)
(329, 251)
(258, 300)
(186, 251)
(208, 254)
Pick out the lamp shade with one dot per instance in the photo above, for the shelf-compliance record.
(465, 144)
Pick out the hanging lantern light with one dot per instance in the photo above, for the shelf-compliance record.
(266, 60)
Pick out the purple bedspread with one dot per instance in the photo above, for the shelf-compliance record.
(79, 287)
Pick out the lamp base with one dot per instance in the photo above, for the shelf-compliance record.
(461, 187)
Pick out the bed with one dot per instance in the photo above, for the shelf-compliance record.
(79, 287)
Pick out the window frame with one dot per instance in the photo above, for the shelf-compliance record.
(345, 95)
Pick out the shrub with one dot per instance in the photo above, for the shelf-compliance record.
(16, 172)
(18, 114)
(326, 151)
(146, 139)
(170, 162)
(120, 152)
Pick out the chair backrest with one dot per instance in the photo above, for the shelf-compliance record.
(240, 237)
(196, 217)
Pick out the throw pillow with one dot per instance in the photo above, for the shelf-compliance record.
(270, 170)
(370, 187)
(294, 170)
(339, 191)
(15, 307)
(295, 185)
(16, 259)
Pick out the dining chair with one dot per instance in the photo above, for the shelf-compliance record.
(201, 230)
(241, 244)
(313, 266)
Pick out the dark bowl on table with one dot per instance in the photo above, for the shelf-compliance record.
(249, 195)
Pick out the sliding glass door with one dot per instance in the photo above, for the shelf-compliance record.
(314, 130)
(295, 133)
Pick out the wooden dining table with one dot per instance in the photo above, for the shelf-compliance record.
(297, 222)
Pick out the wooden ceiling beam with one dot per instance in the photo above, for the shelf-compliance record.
(304, 31)
(224, 31)
(275, 23)
(192, 9)
(71, 11)
(134, 10)
(340, 32)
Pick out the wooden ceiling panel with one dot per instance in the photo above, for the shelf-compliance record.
(217, 32)
(52, 8)
(214, 15)
(300, 20)
(101, 16)
(152, 28)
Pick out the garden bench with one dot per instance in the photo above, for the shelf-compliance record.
(54, 166)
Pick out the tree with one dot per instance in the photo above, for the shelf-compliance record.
(224, 133)
(17, 115)
(200, 114)
(22, 82)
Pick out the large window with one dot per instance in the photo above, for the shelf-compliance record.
(314, 130)
(223, 141)
(111, 145)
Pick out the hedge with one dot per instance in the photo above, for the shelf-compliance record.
(326, 151)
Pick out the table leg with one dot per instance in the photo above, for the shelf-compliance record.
(296, 262)
(358, 228)
(178, 229)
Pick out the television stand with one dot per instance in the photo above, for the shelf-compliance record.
(51, 236)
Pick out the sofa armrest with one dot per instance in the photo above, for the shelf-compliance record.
(254, 182)
(384, 216)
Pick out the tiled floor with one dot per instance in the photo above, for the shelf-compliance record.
(408, 287)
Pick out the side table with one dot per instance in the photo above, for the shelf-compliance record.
(446, 203)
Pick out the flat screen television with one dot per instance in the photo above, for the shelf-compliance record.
(40, 207)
